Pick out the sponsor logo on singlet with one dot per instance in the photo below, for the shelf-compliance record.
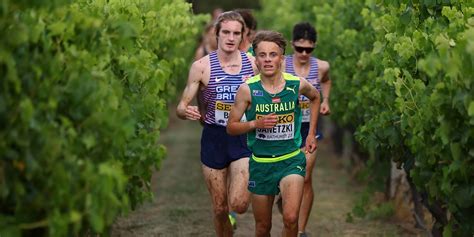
(283, 130)
(291, 89)
(285, 127)
(220, 79)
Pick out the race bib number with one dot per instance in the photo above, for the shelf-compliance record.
(222, 112)
(305, 112)
(283, 130)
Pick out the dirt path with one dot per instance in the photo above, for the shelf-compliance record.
(181, 206)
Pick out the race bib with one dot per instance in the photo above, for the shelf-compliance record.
(305, 112)
(283, 130)
(222, 112)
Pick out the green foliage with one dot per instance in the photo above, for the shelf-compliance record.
(280, 15)
(82, 99)
(374, 175)
(366, 207)
(205, 7)
(403, 76)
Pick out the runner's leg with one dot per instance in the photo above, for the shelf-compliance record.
(216, 181)
(239, 196)
(262, 212)
(291, 187)
(308, 193)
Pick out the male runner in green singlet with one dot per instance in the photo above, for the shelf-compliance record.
(316, 71)
(270, 103)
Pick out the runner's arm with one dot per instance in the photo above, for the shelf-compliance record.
(312, 94)
(326, 84)
(185, 110)
(242, 102)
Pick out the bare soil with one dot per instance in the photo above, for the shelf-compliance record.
(182, 207)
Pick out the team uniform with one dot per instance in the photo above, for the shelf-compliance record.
(313, 78)
(251, 51)
(276, 151)
(218, 149)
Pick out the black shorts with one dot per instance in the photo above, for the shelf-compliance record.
(219, 149)
(305, 130)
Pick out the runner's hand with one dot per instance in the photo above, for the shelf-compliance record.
(266, 121)
(311, 144)
(192, 113)
(325, 110)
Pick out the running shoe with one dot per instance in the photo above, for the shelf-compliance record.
(233, 219)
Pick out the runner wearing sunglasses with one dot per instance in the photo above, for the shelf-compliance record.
(316, 71)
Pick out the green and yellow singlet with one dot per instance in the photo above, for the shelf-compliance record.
(281, 141)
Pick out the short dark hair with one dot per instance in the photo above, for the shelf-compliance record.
(304, 30)
(249, 20)
(229, 16)
(269, 36)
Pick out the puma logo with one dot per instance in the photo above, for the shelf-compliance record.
(220, 79)
(291, 89)
(299, 167)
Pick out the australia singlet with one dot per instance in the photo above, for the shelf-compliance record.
(219, 94)
(312, 78)
(285, 137)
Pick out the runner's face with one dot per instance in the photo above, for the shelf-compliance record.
(230, 36)
(268, 58)
(302, 57)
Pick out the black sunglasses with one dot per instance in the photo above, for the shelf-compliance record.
(301, 49)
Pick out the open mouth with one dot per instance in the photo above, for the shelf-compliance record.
(268, 67)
